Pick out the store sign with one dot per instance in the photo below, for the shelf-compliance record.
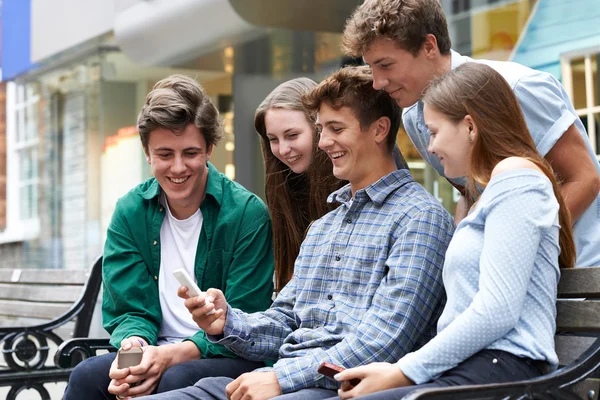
(16, 38)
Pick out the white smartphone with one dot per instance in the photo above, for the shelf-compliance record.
(186, 280)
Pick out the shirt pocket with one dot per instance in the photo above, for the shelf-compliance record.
(217, 267)
(364, 269)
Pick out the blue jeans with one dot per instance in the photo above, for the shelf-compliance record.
(90, 380)
(214, 389)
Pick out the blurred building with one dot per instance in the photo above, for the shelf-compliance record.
(78, 72)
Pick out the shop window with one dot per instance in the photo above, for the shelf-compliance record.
(26, 148)
(459, 6)
(580, 78)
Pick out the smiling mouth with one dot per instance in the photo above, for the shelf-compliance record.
(337, 154)
(292, 160)
(178, 180)
(394, 93)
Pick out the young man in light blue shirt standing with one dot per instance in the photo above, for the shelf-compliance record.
(407, 45)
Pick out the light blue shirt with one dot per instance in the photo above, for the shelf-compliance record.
(367, 286)
(501, 275)
(549, 113)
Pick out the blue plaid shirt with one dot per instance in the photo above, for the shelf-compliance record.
(367, 286)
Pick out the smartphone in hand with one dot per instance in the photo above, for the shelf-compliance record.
(330, 370)
(186, 280)
(129, 358)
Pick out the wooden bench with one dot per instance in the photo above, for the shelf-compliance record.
(578, 352)
(577, 346)
(39, 309)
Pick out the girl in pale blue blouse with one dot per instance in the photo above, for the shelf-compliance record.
(502, 266)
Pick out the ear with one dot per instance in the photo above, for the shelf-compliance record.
(430, 46)
(471, 126)
(381, 128)
(209, 151)
(147, 157)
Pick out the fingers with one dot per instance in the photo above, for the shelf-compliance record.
(126, 344)
(133, 341)
(148, 359)
(183, 292)
(194, 304)
(117, 388)
(349, 374)
(232, 387)
(143, 388)
(115, 373)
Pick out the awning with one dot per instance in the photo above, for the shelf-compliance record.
(301, 15)
(165, 32)
(556, 27)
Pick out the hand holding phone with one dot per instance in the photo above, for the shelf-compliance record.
(330, 370)
(193, 290)
(129, 358)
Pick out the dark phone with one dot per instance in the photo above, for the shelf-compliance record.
(330, 370)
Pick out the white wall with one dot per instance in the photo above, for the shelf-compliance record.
(57, 25)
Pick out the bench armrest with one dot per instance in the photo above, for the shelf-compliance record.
(558, 384)
(72, 352)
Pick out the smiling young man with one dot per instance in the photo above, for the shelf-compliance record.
(367, 283)
(188, 216)
(407, 44)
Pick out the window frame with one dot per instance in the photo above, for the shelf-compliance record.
(590, 110)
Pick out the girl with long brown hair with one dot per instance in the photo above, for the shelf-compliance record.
(503, 264)
(298, 175)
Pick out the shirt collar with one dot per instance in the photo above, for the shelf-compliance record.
(214, 186)
(456, 59)
(377, 192)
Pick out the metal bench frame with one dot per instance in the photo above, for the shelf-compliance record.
(23, 344)
(565, 383)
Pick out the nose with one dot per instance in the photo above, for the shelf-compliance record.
(324, 140)
(430, 147)
(379, 82)
(284, 147)
(178, 166)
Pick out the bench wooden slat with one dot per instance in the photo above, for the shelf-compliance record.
(569, 348)
(31, 309)
(38, 293)
(50, 276)
(580, 282)
(65, 331)
(578, 315)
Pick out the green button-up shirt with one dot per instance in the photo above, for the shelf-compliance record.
(234, 254)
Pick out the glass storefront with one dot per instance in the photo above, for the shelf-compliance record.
(85, 153)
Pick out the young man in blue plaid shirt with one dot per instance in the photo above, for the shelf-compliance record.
(367, 283)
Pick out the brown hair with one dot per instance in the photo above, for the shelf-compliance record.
(294, 200)
(406, 22)
(352, 87)
(477, 90)
(173, 104)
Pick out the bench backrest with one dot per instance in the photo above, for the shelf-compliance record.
(36, 296)
(578, 312)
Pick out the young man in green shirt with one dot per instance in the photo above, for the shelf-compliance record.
(188, 216)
